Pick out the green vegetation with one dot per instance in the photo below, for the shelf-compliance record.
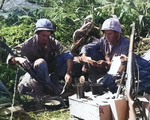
(67, 16)
(62, 114)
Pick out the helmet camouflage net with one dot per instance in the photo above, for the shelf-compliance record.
(86, 34)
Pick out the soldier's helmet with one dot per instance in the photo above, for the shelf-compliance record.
(43, 24)
(111, 24)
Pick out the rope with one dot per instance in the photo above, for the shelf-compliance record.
(13, 100)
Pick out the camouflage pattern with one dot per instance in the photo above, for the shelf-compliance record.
(86, 34)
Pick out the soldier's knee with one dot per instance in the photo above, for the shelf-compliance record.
(39, 61)
(24, 89)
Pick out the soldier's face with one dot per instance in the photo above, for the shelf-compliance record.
(111, 36)
(43, 36)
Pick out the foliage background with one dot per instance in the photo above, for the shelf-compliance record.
(17, 23)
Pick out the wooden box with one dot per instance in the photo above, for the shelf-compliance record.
(94, 107)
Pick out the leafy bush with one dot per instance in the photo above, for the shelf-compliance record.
(67, 16)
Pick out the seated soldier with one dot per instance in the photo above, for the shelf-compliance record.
(44, 57)
(97, 66)
(98, 54)
(109, 46)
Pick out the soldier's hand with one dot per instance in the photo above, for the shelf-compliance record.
(23, 62)
(101, 64)
(93, 63)
(68, 78)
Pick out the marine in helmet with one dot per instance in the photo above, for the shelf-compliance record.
(48, 59)
(98, 54)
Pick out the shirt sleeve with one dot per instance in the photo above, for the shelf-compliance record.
(125, 47)
(16, 51)
(59, 47)
(95, 45)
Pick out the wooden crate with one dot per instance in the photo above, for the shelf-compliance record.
(98, 107)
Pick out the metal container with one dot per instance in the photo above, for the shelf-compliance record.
(52, 104)
(97, 89)
(80, 91)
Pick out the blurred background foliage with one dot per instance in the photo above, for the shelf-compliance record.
(18, 22)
